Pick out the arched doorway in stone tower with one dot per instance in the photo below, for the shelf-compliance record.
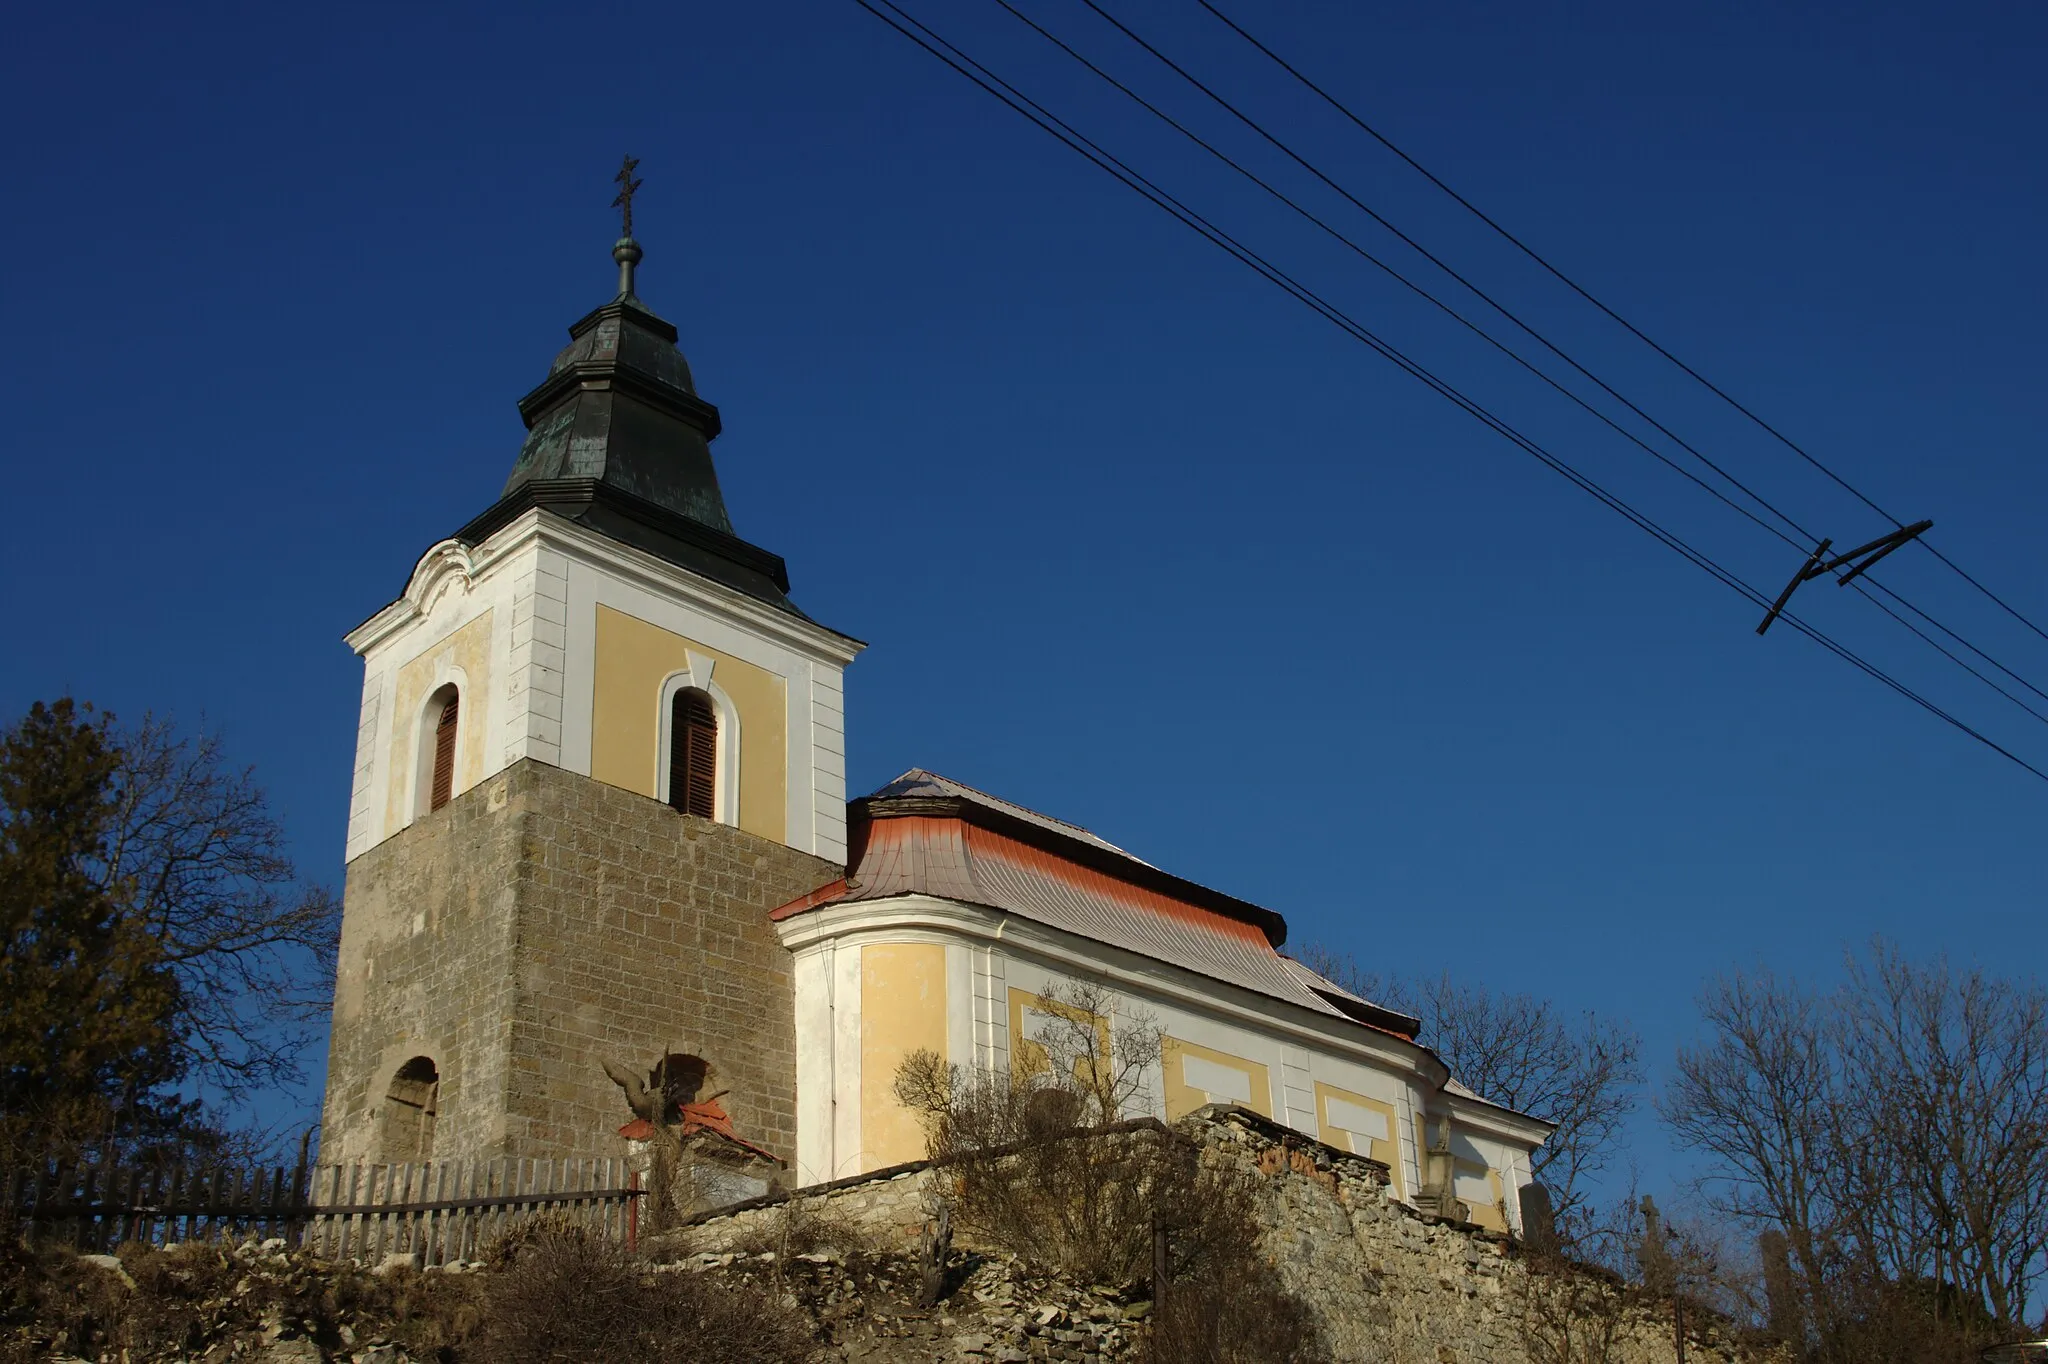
(409, 1107)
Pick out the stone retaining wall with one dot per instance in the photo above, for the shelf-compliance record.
(1385, 1283)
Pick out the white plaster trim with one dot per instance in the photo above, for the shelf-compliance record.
(645, 570)
(447, 563)
(960, 1049)
(726, 805)
(1503, 1124)
(914, 918)
(844, 963)
(679, 584)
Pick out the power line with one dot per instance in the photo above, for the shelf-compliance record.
(1582, 292)
(1407, 240)
(1490, 339)
(1051, 124)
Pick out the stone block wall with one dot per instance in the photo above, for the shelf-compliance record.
(539, 923)
(1385, 1283)
(425, 968)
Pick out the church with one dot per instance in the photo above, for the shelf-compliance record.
(599, 816)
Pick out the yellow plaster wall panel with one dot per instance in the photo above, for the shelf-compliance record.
(1197, 1075)
(632, 660)
(1027, 1053)
(1367, 1127)
(1487, 1208)
(467, 649)
(902, 1009)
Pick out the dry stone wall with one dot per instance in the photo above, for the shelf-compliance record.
(538, 923)
(1384, 1283)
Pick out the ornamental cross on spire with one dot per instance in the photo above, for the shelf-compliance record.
(627, 184)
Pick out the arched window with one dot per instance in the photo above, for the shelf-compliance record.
(409, 1107)
(693, 753)
(447, 716)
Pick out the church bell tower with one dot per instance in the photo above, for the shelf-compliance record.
(598, 743)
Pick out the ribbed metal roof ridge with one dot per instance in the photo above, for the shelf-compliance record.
(919, 781)
(1038, 885)
(1386, 1017)
(948, 857)
(922, 793)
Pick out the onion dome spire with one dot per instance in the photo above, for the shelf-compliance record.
(618, 440)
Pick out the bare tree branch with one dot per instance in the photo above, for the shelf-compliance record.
(1894, 1131)
(203, 861)
(1582, 1074)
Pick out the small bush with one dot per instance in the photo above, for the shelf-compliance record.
(803, 1226)
(562, 1294)
(1234, 1320)
(52, 1303)
(1041, 1167)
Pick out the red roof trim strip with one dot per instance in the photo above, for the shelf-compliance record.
(823, 895)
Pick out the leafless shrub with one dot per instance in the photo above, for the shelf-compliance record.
(51, 1304)
(196, 1299)
(1242, 1322)
(1221, 1303)
(1041, 1166)
(564, 1294)
(1021, 1178)
(803, 1226)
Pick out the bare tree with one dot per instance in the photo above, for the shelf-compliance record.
(1583, 1074)
(1024, 1180)
(1042, 1166)
(203, 862)
(1950, 1091)
(1760, 1099)
(1894, 1131)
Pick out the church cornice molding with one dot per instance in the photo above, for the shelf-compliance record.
(649, 571)
(561, 495)
(1082, 851)
(928, 918)
(455, 561)
(447, 564)
(1492, 1120)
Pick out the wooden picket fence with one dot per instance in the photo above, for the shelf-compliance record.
(440, 1210)
(452, 1209)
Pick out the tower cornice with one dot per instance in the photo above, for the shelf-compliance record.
(542, 525)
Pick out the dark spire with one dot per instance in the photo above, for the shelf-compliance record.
(618, 439)
(627, 251)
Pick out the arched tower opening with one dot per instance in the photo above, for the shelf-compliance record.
(440, 726)
(693, 753)
(409, 1108)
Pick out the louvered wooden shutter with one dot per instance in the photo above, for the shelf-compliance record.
(444, 752)
(693, 754)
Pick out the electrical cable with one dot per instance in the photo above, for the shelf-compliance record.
(1053, 126)
(1495, 342)
(1630, 327)
(1414, 245)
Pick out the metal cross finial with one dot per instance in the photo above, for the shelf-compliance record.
(627, 184)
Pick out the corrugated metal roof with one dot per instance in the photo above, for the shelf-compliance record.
(919, 782)
(952, 859)
(1323, 985)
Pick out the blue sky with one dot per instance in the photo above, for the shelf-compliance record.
(1136, 539)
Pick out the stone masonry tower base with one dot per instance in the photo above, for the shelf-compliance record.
(497, 949)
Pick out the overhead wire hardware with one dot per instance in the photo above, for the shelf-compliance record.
(1819, 565)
